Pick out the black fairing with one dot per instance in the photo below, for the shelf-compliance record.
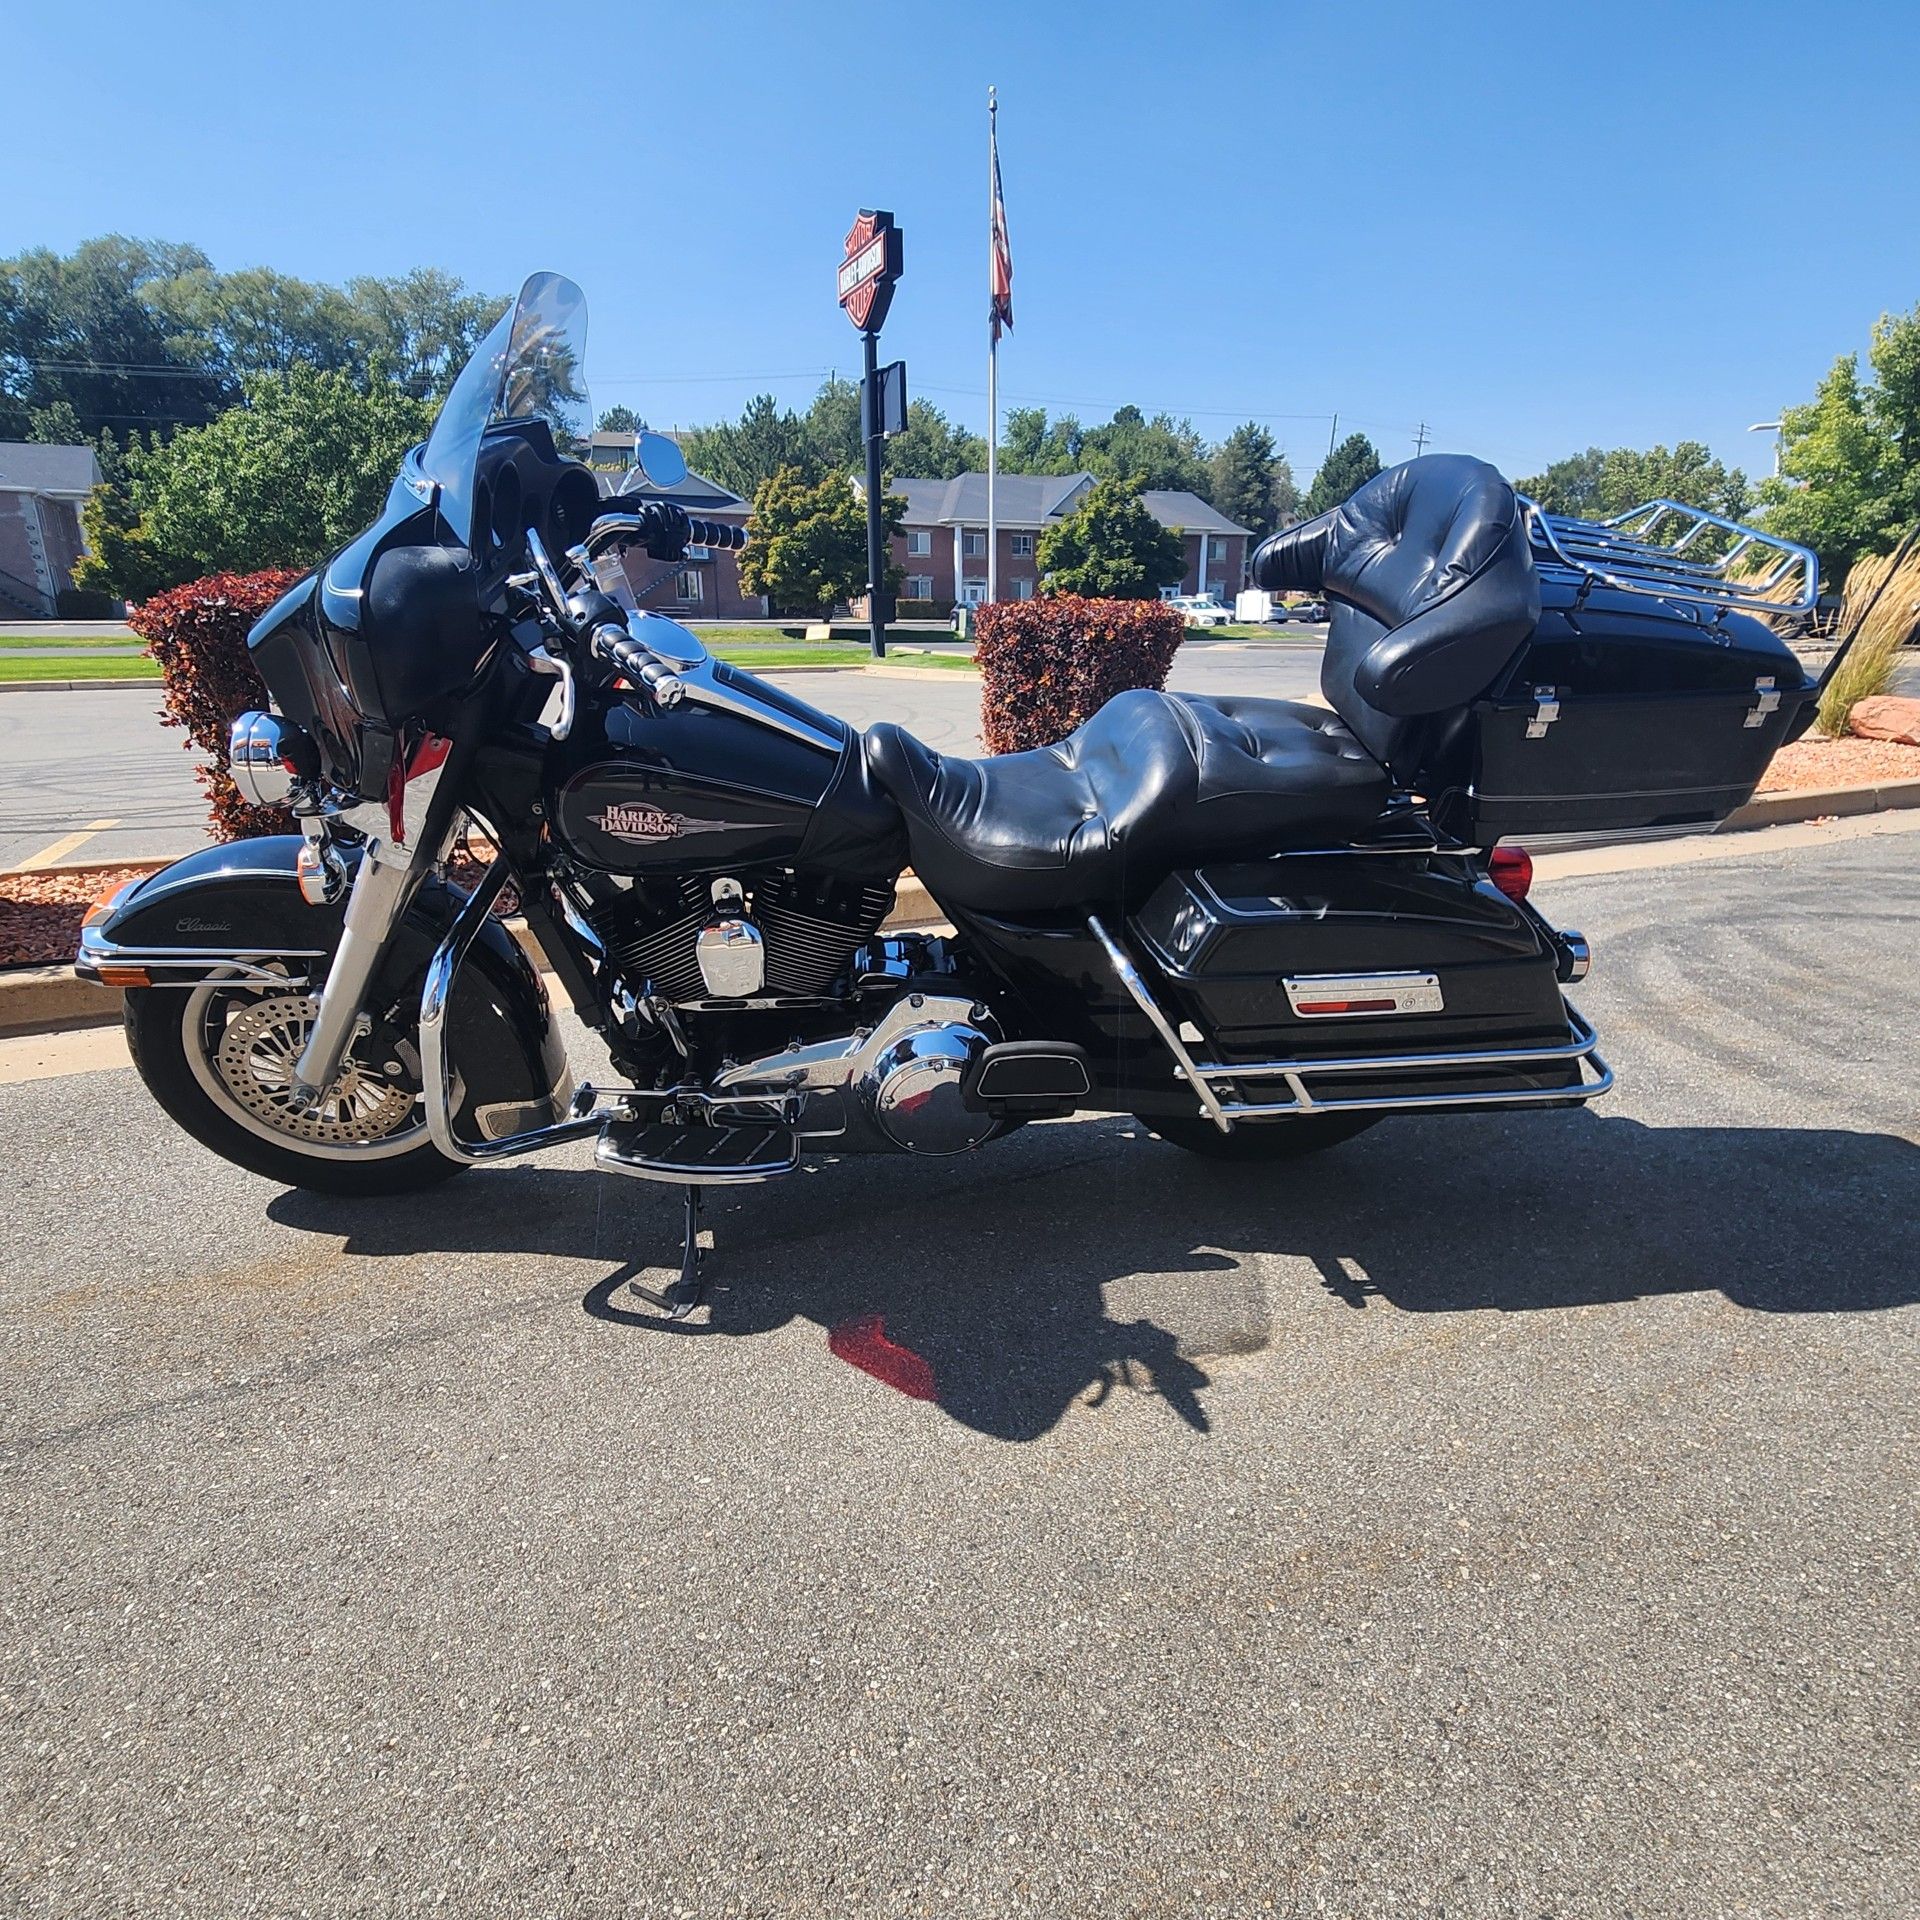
(402, 622)
(244, 895)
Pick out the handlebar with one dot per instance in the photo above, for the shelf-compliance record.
(639, 663)
(665, 530)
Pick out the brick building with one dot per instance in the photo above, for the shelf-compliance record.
(41, 492)
(942, 552)
(706, 584)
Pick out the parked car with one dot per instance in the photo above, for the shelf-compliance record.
(1201, 610)
(1307, 612)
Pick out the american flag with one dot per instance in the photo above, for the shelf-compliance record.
(1000, 269)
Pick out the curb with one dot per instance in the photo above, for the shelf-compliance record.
(77, 686)
(51, 999)
(1822, 803)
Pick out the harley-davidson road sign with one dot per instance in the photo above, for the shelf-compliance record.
(869, 269)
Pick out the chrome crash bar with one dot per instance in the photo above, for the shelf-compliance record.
(436, 1069)
(1202, 1075)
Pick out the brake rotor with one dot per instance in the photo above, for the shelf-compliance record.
(255, 1061)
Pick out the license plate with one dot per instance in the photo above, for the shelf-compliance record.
(1354, 996)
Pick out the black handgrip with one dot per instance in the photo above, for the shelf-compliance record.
(715, 533)
(640, 664)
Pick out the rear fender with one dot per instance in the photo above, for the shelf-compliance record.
(244, 898)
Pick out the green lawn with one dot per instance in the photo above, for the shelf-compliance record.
(766, 648)
(1264, 630)
(8, 640)
(789, 653)
(953, 662)
(124, 666)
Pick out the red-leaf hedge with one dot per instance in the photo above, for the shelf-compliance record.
(1047, 665)
(198, 633)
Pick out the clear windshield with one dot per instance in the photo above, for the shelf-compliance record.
(532, 366)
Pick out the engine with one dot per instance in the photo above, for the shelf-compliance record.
(692, 938)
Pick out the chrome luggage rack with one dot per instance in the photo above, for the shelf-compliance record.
(1203, 1076)
(1757, 572)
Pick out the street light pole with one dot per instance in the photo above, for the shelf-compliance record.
(1776, 428)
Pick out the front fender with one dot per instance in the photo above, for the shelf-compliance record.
(243, 898)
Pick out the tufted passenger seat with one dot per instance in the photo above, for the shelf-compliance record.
(1153, 781)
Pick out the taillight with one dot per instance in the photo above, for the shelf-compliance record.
(1511, 870)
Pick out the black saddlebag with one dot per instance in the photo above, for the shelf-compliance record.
(1621, 712)
(1367, 959)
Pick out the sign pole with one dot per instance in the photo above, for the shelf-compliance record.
(876, 537)
(869, 270)
(993, 367)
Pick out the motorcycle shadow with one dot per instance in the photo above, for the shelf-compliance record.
(1083, 1258)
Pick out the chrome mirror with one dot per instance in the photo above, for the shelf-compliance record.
(658, 461)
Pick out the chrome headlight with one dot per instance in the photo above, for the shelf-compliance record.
(269, 758)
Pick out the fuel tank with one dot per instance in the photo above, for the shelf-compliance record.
(764, 780)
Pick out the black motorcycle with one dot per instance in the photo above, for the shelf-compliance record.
(1257, 926)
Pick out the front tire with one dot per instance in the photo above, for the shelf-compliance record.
(217, 1058)
(1257, 1142)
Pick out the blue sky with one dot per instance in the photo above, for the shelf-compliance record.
(1533, 227)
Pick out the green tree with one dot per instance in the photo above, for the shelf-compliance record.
(1599, 483)
(809, 549)
(1349, 466)
(419, 329)
(1163, 451)
(1110, 547)
(1253, 483)
(1030, 443)
(82, 330)
(743, 454)
(932, 447)
(619, 420)
(280, 482)
(832, 424)
(1849, 481)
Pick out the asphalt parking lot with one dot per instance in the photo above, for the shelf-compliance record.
(1500, 1516)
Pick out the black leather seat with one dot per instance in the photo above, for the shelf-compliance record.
(1434, 593)
(1151, 782)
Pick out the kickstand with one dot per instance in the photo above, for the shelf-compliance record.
(689, 1290)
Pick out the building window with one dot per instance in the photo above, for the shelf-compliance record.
(686, 586)
(919, 586)
(1022, 589)
(973, 545)
(919, 543)
(1023, 546)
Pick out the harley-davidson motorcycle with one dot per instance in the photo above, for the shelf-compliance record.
(1257, 926)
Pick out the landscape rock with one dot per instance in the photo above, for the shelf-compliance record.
(1886, 716)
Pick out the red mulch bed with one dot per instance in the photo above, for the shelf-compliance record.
(40, 913)
(1815, 762)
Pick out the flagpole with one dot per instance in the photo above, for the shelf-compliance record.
(993, 372)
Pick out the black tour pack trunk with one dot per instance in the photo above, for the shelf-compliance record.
(1621, 713)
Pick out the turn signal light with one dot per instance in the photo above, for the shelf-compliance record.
(1511, 870)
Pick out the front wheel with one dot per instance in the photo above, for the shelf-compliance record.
(219, 1058)
(1257, 1141)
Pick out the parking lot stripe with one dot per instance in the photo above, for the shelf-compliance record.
(49, 856)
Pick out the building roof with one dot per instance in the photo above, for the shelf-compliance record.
(28, 467)
(696, 492)
(1036, 500)
(1021, 499)
(1187, 511)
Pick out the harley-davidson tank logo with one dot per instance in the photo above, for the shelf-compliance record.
(650, 824)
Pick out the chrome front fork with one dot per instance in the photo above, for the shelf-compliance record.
(396, 859)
